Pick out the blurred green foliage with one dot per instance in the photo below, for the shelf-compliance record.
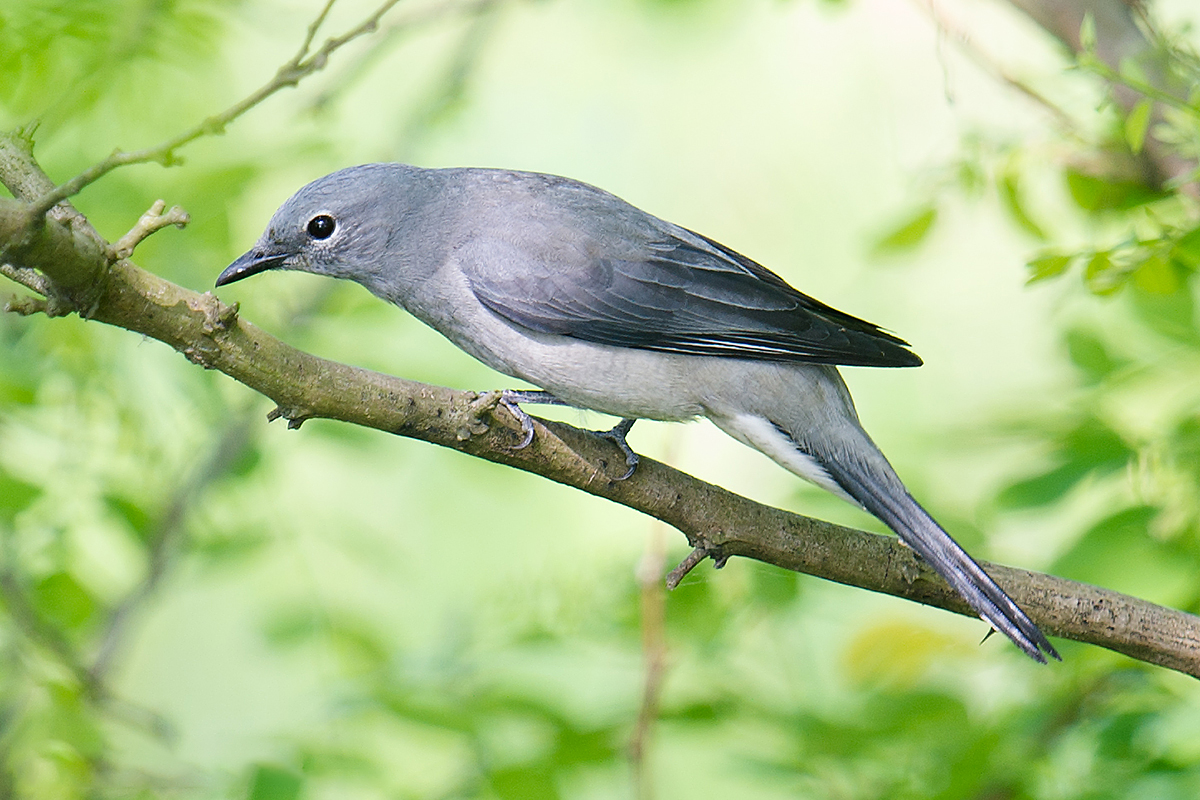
(197, 606)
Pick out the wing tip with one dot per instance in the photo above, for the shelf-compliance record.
(907, 358)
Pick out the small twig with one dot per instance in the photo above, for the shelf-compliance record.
(311, 34)
(687, 565)
(288, 75)
(24, 305)
(29, 278)
(153, 220)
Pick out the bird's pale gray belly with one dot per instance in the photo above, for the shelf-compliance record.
(624, 381)
(621, 381)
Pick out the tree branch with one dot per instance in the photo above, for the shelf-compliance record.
(300, 66)
(718, 522)
(155, 219)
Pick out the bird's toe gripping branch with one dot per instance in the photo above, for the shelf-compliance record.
(511, 401)
(487, 402)
(617, 437)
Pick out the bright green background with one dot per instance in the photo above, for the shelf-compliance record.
(350, 614)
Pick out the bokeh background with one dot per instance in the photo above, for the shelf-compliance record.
(199, 604)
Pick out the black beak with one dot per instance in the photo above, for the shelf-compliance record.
(250, 263)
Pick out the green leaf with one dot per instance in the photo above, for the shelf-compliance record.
(1096, 445)
(274, 783)
(1186, 250)
(1172, 316)
(326, 760)
(1093, 193)
(1090, 355)
(136, 517)
(576, 747)
(1100, 275)
(526, 782)
(1137, 123)
(354, 641)
(908, 234)
(1044, 489)
(1087, 33)
(1157, 275)
(293, 628)
(701, 711)
(1090, 447)
(247, 460)
(1010, 193)
(1048, 265)
(62, 600)
(71, 723)
(15, 496)
(970, 177)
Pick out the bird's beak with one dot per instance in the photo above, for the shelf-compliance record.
(251, 263)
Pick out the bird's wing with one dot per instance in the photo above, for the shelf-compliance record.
(676, 292)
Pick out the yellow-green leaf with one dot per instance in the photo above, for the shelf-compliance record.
(270, 782)
(1157, 275)
(1137, 123)
(1048, 265)
(908, 234)
(1100, 275)
(1010, 193)
(1087, 34)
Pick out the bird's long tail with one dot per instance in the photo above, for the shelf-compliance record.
(846, 462)
(892, 504)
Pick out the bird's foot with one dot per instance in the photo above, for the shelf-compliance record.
(511, 399)
(617, 437)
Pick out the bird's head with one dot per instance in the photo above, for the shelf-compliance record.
(344, 225)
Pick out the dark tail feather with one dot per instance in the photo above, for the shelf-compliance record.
(896, 507)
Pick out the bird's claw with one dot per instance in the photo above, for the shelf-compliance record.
(511, 400)
(617, 437)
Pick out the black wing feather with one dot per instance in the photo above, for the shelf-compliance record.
(681, 293)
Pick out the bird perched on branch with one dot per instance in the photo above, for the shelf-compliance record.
(606, 307)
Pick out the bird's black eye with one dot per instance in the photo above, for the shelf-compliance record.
(321, 226)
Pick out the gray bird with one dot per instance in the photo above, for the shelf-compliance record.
(606, 307)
